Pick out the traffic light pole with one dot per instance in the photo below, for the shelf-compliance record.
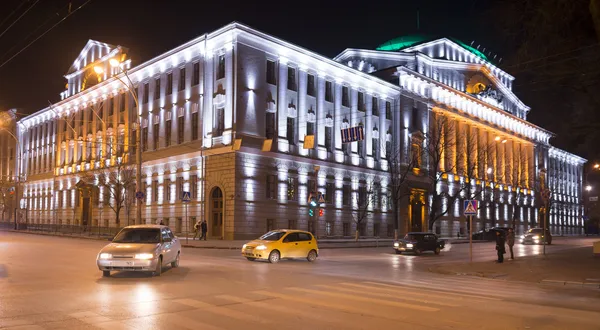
(316, 214)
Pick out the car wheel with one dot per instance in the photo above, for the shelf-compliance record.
(274, 257)
(312, 256)
(158, 269)
(398, 252)
(106, 273)
(250, 258)
(417, 251)
(175, 263)
(437, 250)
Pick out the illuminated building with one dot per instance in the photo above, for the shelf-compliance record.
(239, 83)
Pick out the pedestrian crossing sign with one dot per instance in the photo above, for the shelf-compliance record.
(186, 196)
(321, 198)
(470, 207)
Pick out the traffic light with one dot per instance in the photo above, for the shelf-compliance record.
(311, 212)
(321, 212)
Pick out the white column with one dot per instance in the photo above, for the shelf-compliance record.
(282, 105)
(229, 115)
(302, 110)
(208, 113)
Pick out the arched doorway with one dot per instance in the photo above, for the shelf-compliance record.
(216, 212)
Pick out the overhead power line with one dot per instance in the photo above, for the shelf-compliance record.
(14, 11)
(18, 18)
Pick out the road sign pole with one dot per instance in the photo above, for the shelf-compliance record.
(187, 225)
(470, 239)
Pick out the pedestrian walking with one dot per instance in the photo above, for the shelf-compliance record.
(204, 229)
(500, 248)
(197, 230)
(510, 240)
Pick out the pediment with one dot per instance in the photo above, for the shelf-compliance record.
(91, 52)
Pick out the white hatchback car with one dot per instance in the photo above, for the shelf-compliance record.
(142, 248)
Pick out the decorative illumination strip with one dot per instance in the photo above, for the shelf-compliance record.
(422, 86)
(569, 157)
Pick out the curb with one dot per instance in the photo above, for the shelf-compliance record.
(474, 274)
(572, 283)
(58, 235)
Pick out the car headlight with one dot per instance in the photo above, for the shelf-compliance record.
(243, 246)
(396, 244)
(144, 256)
(536, 237)
(105, 256)
(522, 236)
(261, 247)
(409, 245)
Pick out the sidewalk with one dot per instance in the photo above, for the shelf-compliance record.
(575, 266)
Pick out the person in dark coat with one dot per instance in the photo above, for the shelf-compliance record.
(510, 241)
(204, 228)
(500, 248)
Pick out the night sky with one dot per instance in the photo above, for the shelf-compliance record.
(149, 28)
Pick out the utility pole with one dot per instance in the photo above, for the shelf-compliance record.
(316, 214)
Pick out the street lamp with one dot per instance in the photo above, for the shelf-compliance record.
(115, 63)
(588, 188)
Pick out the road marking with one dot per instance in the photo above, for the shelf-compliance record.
(188, 323)
(410, 290)
(386, 295)
(445, 291)
(114, 325)
(367, 300)
(221, 310)
(90, 317)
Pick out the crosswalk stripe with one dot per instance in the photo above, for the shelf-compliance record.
(368, 300)
(445, 292)
(188, 323)
(387, 295)
(292, 311)
(90, 317)
(337, 306)
(114, 325)
(220, 310)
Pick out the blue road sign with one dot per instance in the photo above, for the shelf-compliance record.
(470, 207)
(140, 195)
(353, 134)
(186, 196)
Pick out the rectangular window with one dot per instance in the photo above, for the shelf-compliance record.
(361, 149)
(221, 68)
(111, 109)
(270, 125)
(196, 74)
(145, 138)
(292, 186)
(329, 228)
(195, 126)
(375, 145)
(361, 101)
(133, 141)
(388, 149)
(168, 133)
(375, 106)
(346, 195)
(121, 104)
(346, 228)
(291, 83)
(345, 96)
(291, 131)
(310, 85)
(220, 122)
(329, 192)
(179, 187)
(156, 88)
(156, 135)
(292, 224)
(169, 83)
(362, 196)
(271, 186)
(270, 224)
(328, 91)
(310, 128)
(146, 91)
(181, 79)
(194, 186)
(388, 110)
(180, 130)
(271, 75)
(328, 139)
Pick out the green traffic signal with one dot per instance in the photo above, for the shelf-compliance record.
(311, 212)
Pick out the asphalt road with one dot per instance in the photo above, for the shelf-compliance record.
(53, 283)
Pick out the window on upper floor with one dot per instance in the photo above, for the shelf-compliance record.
(169, 83)
(271, 73)
(329, 192)
(328, 91)
(219, 121)
(145, 138)
(361, 101)
(180, 129)
(221, 67)
(329, 139)
(111, 108)
(291, 131)
(415, 118)
(346, 193)
(271, 187)
(388, 110)
(310, 85)
(270, 125)
(291, 82)
(196, 74)
(122, 103)
(375, 146)
(146, 92)
(181, 79)
(345, 96)
(168, 130)
(195, 126)
(292, 188)
(156, 135)
(375, 106)
(157, 88)
(310, 128)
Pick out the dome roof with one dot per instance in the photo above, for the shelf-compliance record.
(400, 43)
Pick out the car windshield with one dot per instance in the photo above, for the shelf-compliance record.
(410, 237)
(535, 231)
(272, 236)
(138, 235)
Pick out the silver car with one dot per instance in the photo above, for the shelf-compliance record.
(143, 248)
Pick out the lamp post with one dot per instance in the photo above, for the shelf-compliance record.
(138, 135)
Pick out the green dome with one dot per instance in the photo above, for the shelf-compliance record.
(400, 43)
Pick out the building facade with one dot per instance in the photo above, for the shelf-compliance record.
(8, 160)
(231, 115)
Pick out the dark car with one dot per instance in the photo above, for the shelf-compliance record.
(536, 236)
(419, 242)
(489, 234)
